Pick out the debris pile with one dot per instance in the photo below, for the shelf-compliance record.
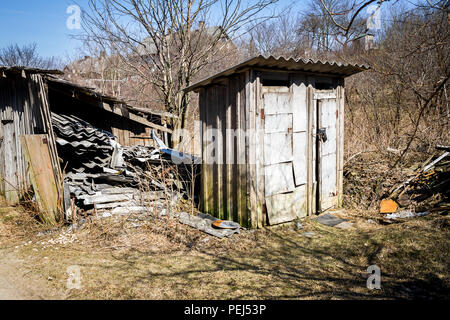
(426, 190)
(103, 175)
(107, 179)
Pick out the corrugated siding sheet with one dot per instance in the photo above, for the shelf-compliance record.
(224, 172)
(287, 64)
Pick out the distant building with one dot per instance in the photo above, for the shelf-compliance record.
(148, 47)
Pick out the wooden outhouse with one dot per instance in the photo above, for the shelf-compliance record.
(272, 139)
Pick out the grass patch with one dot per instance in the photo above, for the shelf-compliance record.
(161, 259)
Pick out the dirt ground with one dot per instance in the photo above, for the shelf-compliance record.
(16, 285)
(144, 258)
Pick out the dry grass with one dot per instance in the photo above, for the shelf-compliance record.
(161, 259)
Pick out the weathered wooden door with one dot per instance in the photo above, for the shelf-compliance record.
(282, 202)
(326, 156)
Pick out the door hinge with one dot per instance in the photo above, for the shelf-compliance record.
(262, 114)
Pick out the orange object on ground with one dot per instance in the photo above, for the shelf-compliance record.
(388, 206)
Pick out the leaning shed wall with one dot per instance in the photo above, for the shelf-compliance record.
(23, 110)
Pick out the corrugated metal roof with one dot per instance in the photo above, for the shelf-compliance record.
(288, 64)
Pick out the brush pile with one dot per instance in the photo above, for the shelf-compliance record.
(428, 188)
(420, 187)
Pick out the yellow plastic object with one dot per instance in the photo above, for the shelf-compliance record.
(388, 206)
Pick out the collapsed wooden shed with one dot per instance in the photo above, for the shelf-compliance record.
(29, 96)
(272, 139)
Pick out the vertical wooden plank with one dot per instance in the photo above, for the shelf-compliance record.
(2, 152)
(10, 173)
(311, 148)
(17, 103)
(259, 152)
(209, 147)
(219, 194)
(203, 186)
(3, 103)
(37, 155)
(229, 149)
(341, 135)
(241, 152)
(251, 148)
(318, 159)
(48, 129)
(130, 128)
(126, 133)
(122, 137)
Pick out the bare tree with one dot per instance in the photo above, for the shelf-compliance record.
(310, 32)
(275, 37)
(26, 56)
(404, 98)
(167, 44)
(345, 16)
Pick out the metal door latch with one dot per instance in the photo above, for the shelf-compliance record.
(322, 134)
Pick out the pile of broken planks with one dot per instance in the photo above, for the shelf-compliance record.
(104, 179)
(427, 190)
(125, 201)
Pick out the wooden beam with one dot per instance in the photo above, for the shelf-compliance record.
(105, 106)
(126, 114)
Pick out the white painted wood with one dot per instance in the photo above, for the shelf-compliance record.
(267, 89)
(301, 201)
(299, 104)
(300, 156)
(328, 156)
(277, 148)
(325, 95)
(276, 103)
(286, 207)
(10, 170)
(279, 178)
(112, 205)
(107, 198)
(328, 121)
(278, 123)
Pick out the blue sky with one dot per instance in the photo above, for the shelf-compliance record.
(44, 22)
(40, 21)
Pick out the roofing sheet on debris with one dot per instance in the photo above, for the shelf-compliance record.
(288, 64)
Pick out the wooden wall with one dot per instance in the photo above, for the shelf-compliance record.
(123, 128)
(224, 168)
(22, 103)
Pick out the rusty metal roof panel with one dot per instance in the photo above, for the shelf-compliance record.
(289, 64)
